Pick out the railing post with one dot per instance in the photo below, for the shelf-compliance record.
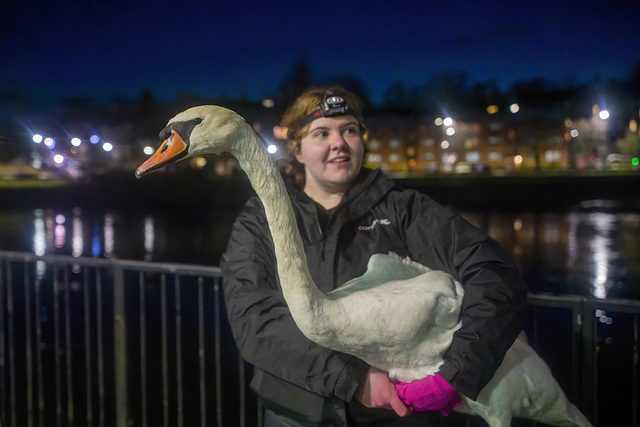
(589, 351)
(577, 355)
(120, 347)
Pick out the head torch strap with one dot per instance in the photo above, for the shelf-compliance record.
(331, 106)
(316, 114)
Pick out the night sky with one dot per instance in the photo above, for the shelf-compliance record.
(103, 49)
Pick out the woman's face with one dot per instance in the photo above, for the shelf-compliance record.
(332, 153)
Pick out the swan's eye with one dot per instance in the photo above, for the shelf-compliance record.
(197, 121)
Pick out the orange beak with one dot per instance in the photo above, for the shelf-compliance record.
(171, 150)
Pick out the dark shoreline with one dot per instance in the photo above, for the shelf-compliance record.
(531, 193)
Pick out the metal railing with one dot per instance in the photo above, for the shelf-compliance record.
(104, 342)
(107, 342)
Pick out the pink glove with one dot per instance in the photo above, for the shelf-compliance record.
(431, 393)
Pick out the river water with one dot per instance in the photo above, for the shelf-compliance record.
(591, 249)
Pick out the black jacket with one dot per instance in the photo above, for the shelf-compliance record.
(376, 216)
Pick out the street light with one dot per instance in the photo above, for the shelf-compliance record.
(37, 138)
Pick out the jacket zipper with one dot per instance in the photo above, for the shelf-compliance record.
(323, 242)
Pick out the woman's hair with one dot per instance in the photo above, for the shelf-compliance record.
(304, 105)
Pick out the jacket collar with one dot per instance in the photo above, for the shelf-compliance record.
(367, 189)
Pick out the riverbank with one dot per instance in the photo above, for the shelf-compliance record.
(195, 190)
(530, 192)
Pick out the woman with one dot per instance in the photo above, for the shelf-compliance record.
(345, 214)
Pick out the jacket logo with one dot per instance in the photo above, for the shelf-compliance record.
(373, 224)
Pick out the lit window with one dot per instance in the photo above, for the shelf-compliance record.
(449, 158)
(472, 156)
(374, 158)
(553, 156)
(374, 145)
(428, 142)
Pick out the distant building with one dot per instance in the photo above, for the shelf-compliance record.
(467, 145)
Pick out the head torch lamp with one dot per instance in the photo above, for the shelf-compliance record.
(331, 106)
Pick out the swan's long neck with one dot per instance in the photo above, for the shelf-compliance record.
(304, 299)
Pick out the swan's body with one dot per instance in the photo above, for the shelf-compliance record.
(405, 335)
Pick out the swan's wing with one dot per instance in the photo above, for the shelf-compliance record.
(399, 316)
(384, 268)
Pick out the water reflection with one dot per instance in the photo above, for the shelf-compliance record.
(597, 250)
(59, 231)
(109, 239)
(39, 235)
(96, 242)
(77, 242)
(149, 237)
(39, 241)
(580, 252)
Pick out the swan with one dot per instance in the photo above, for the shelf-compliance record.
(359, 317)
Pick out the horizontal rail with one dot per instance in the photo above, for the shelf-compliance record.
(184, 269)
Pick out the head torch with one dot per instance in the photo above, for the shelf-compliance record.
(331, 106)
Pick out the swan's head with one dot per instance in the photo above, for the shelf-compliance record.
(207, 129)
